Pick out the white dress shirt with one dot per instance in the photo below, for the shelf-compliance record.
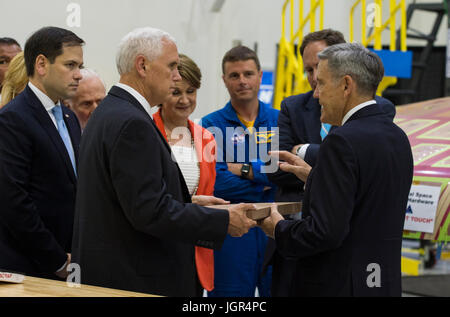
(357, 108)
(45, 100)
(144, 103)
(187, 160)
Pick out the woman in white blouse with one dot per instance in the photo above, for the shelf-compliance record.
(193, 148)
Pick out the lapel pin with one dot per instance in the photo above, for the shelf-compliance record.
(67, 115)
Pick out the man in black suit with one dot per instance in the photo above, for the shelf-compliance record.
(348, 242)
(38, 150)
(135, 226)
(301, 132)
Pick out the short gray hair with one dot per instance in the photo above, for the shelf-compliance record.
(88, 73)
(146, 41)
(353, 59)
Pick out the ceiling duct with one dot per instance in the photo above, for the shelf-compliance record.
(217, 6)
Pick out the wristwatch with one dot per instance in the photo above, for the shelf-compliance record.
(245, 170)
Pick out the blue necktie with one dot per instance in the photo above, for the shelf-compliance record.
(64, 133)
(324, 130)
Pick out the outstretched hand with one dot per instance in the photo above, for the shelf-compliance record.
(292, 164)
(239, 222)
(204, 200)
(62, 274)
(268, 224)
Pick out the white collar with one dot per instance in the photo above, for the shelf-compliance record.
(144, 103)
(43, 98)
(357, 108)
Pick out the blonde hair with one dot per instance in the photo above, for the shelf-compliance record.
(16, 79)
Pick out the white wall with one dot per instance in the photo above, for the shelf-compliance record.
(203, 35)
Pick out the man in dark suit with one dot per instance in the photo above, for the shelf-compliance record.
(135, 226)
(301, 132)
(38, 150)
(348, 242)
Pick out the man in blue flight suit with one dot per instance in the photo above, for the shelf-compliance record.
(243, 129)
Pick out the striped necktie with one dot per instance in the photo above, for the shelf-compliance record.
(324, 130)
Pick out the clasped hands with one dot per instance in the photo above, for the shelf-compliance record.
(240, 224)
(290, 163)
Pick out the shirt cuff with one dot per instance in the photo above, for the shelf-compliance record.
(302, 152)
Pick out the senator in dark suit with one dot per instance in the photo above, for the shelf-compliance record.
(348, 242)
(135, 226)
(37, 168)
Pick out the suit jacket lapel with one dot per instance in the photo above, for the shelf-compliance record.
(47, 124)
(311, 113)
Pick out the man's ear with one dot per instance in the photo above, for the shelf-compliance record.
(41, 65)
(349, 85)
(141, 65)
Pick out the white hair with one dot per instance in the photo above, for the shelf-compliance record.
(146, 41)
(88, 73)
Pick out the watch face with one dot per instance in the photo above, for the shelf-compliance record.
(245, 169)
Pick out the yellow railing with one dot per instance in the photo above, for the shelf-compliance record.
(411, 266)
(377, 5)
(394, 8)
(290, 78)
